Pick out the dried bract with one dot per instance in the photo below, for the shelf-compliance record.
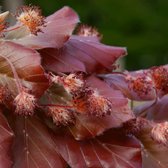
(3, 24)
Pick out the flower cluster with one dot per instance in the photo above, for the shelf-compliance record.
(60, 95)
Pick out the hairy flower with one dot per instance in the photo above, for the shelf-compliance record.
(160, 77)
(142, 85)
(88, 101)
(25, 103)
(30, 16)
(135, 126)
(85, 30)
(159, 133)
(61, 115)
(72, 83)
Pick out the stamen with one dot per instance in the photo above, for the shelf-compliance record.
(61, 116)
(31, 17)
(25, 103)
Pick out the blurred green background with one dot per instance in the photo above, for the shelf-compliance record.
(140, 25)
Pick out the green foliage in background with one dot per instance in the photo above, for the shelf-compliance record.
(140, 25)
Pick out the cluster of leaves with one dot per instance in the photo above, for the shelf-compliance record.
(64, 104)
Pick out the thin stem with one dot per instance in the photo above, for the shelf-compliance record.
(15, 28)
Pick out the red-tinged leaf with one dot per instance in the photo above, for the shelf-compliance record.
(112, 150)
(90, 126)
(33, 146)
(158, 112)
(81, 54)
(24, 62)
(154, 153)
(56, 31)
(134, 85)
(6, 139)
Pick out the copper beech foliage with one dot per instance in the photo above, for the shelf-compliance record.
(63, 102)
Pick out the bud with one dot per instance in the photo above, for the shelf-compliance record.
(86, 31)
(30, 16)
(25, 103)
(61, 115)
(159, 133)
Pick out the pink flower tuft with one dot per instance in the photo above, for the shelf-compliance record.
(61, 115)
(25, 103)
(86, 31)
(72, 83)
(159, 133)
(160, 77)
(88, 101)
(30, 16)
(141, 85)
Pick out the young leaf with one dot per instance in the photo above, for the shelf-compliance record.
(33, 145)
(21, 65)
(81, 54)
(112, 149)
(158, 112)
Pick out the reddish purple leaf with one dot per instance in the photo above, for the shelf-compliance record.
(90, 126)
(33, 145)
(154, 153)
(26, 64)
(55, 33)
(81, 54)
(112, 150)
(6, 139)
(158, 112)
